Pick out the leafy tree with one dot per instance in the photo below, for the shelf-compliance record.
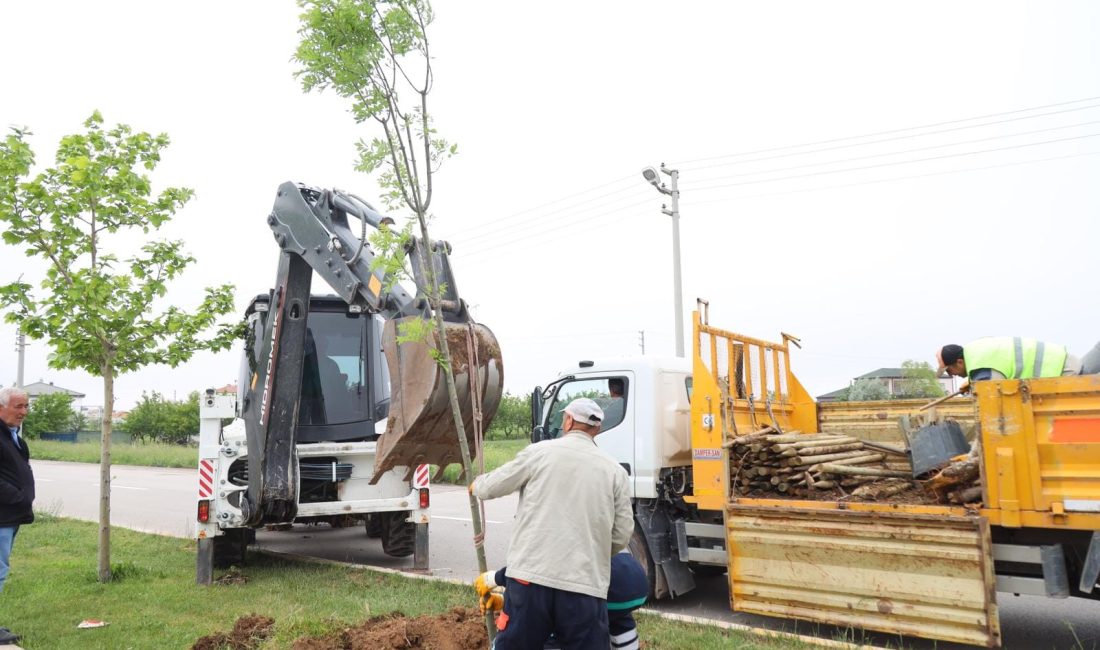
(100, 304)
(513, 418)
(78, 421)
(49, 413)
(866, 390)
(376, 54)
(919, 380)
(157, 419)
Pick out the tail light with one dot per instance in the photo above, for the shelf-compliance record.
(204, 510)
(424, 499)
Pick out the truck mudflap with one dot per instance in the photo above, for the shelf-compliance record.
(911, 574)
(421, 428)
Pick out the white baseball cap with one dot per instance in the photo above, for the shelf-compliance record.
(585, 411)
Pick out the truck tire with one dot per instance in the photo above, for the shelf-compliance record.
(374, 526)
(230, 548)
(398, 535)
(640, 550)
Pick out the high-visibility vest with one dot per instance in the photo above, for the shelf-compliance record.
(1015, 357)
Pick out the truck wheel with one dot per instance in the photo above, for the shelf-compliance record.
(398, 535)
(374, 526)
(640, 550)
(230, 548)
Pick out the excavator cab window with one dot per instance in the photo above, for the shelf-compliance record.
(334, 377)
(609, 392)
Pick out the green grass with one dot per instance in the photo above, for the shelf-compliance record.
(154, 602)
(497, 452)
(149, 455)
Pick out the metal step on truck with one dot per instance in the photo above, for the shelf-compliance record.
(919, 569)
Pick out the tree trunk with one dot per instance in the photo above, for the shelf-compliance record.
(103, 560)
(456, 411)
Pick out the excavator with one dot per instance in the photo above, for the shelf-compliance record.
(338, 412)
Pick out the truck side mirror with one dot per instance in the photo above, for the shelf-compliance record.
(536, 407)
(538, 434)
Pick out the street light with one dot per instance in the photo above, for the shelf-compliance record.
(654, 179)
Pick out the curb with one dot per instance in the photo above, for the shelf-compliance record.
(683, 618)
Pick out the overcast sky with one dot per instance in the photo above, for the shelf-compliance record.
(810, 202)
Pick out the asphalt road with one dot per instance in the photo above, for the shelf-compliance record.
(163, 500)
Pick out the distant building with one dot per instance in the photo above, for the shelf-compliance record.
(39, 388)
(889, 377)
(228, 389)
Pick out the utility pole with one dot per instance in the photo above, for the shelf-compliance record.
(641, 335)
(650, 174)
(20, 347)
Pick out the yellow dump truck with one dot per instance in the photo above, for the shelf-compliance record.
(906, 568)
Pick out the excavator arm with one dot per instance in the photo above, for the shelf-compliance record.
(313, 231)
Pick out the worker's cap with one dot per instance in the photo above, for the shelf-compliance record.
(947, 355)
(585, 411)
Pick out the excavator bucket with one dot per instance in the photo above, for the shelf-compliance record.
(421, 427)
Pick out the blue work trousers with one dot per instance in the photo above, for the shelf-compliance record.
(533, 612)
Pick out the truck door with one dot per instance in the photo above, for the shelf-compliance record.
(614, 395)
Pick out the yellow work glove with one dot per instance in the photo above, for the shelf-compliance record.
(485, 583)
(491, 602)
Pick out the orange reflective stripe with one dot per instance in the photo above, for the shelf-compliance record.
(502, 622)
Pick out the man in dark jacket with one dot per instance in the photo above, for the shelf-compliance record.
(16, 482)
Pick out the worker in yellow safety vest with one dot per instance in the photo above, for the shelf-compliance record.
(1007, 357)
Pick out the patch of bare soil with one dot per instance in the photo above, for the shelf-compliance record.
(232, 577)
(248, 633)
(458, 629)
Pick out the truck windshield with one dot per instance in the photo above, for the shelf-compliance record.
(609, 392)
(334, 380)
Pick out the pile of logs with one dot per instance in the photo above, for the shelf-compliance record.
(804, 464)
(957, 483)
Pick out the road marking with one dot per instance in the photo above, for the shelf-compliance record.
(121, 487)
(488, 521)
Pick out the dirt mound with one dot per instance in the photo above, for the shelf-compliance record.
(459, 629)
(248, 633)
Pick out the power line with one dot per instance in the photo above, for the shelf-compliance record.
(495, 222)
(896, 178)
(891, 164)
(548, 234)
(898, 153)
(572, 210)
(901, 130)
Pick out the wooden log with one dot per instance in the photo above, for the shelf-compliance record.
(823, 458)
(838, 440)
(886, 448)
(855, 481)
(824, 485)
(954, 474)
(881, 489)
(853, 470)
(826, 449)
(856, 460)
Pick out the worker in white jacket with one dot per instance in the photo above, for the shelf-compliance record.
(574, 514)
